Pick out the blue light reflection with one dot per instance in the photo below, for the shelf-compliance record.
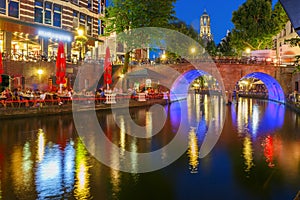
(275, 91)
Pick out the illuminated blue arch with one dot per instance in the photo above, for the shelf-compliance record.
(274, 89)
(181, 86)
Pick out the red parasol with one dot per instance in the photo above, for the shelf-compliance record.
(1, 67)
(60, 64)
(107, 68)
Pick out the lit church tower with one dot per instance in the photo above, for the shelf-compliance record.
(205, 32)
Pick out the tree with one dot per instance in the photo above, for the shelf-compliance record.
(125, 15)
(225, 48)
(256, 23)
(211, 48)
(182, 27)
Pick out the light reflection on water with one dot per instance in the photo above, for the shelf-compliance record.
(193, 151)
(48, 160)
(248, 153)
(82, 185)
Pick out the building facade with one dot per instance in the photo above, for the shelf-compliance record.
(284, 52)
(205, 28)
(31, 29)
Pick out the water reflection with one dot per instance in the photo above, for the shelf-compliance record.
(248, 153)
(49, 173)
(45, 159)
(193, 151)
(21, 166)
(252, 117)
(40, 145)
(82, 185)
(269, 150)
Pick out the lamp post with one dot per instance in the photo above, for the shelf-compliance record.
(40, 73)
(81, 39)
(163, 58)
(248, 51)
(193, 50)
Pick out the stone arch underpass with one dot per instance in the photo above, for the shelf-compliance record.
(230, 75)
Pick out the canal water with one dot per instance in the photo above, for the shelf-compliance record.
(256, 157)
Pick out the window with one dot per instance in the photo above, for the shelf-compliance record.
(3, 7)
(75, 19)
(57, 8)
(82, 18)
(89, 6)
(89, 26)
(38, 15)
(99, 25)
(13, 9)
(38, 11)
(48, 5)
(57, 19)
(48, 17)
(57, 15)
(48, 13)
(38, 3)
(100, 7)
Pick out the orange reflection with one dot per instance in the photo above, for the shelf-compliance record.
(115, 180)
(248, 153)
(82, 187)
(193, 151)
(21, 167)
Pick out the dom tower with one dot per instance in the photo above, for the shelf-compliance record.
(205, 32)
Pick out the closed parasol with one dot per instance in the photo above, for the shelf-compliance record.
(107, 69)
(60, 65)
(1, 67)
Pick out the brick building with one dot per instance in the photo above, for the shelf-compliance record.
(31, 28)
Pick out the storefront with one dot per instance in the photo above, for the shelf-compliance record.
(29, 42)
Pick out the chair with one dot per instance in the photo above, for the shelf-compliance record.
(9, 102)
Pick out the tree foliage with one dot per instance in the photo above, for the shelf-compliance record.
(224, 47)
(211, 48)
(125, 15)
(256, 23)
(182, 27)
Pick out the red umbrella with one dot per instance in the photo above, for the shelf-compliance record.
(60, 64)
(107, 68)
(1, 67)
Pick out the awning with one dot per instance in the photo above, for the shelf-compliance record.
(145, 73)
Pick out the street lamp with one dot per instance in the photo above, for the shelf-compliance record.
(81, 39)
(248, 51)
(40, 71)
(193, 50)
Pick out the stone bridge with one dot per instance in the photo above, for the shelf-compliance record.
(278, 80)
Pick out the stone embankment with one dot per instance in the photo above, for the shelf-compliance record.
(12, 113)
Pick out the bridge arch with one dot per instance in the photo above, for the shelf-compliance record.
(275, 91)
(180, 87)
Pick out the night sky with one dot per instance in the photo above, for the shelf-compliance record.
(220, 13)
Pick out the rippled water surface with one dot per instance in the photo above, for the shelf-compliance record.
(256, 157)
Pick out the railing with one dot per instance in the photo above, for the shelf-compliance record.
(56, 100)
